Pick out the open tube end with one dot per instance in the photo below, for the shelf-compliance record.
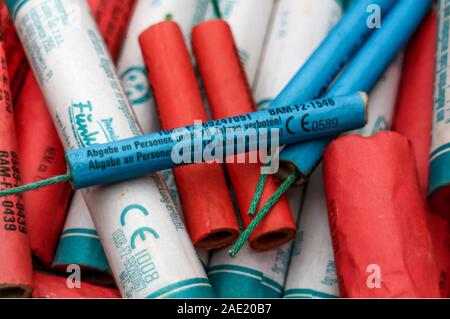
(365, 98)
(15, 291)
(272, 240)
(219, 239)
(287, 169)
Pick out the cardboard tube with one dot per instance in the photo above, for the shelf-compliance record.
(146, 243)
(169, 178)
(42, 156)
(362, 72)
(132, 71)
(18, 66)
(378, 219)
(15, 255)
(112, 18)
(131, 66)
(414, 120)
(439, 181)
(249, 21)
(383, 100)
(312, 270)
(79, 242)
(229, 95)
(208, 210)
(107, 163)
(292, 22)
(413, 117)
(54, 287)
(290, 42)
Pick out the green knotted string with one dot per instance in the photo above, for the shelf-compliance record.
(37, 185)
(258, 194)
(216, 7)
(263, 213)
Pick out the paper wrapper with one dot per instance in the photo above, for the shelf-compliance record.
(252, 274)
(18, 66)
(132, 70)
(439, 181)
(55, 287)
(378, 218)
(15, 255)
(414, 120)
(229, 95)
(413, 117)
(312, 271)
(289, 45)
(112, 17)
(249, 21)
(79, 243)
(290, 42)
(147, 246)
(41, 157)
(169, 179)
(383, 100)
(361, 73)
(131, 66)
(276, 69)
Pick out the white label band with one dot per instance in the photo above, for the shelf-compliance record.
(147, 246)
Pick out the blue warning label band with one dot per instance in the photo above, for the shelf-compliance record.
(215, 140)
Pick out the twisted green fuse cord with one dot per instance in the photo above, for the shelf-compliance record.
(263, 213)
(37, 185)
(258, 194)
(216, 7)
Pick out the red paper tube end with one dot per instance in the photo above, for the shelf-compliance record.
(15, 291)
(272, 240)
(207, 206)
(216, 239)
(279, 226)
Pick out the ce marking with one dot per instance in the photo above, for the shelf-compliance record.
(304, 124)
(140, 232)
